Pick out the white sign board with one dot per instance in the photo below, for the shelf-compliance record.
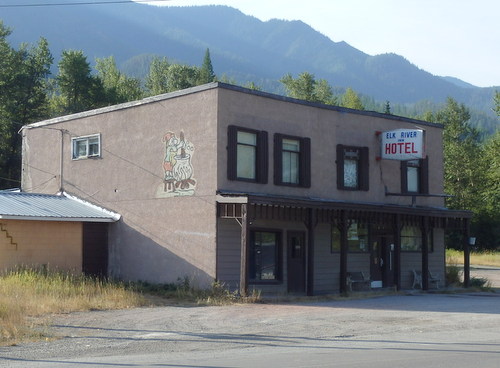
(403, 144)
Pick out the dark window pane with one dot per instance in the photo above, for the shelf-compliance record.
(263, 256)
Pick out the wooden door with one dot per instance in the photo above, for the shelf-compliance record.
(95, 249)
(382, 261)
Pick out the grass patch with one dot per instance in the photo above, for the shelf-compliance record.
(184, 292)
(28, 295)
(483, 258)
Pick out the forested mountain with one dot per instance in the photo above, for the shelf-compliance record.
(242, 48)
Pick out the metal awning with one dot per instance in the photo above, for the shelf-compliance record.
(47, 207)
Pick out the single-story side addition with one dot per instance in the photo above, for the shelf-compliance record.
(254, 190)
(59, 232)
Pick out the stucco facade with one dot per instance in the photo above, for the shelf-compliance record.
(170, 165)
(52, 244)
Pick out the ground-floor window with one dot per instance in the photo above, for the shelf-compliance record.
(411, 239)
(357, 237)
(264, 261)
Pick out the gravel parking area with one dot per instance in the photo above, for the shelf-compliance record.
(411, 329)
(230, 335)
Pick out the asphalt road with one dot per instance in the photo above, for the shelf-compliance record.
(409, 330)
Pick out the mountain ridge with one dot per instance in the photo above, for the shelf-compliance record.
(241, 46)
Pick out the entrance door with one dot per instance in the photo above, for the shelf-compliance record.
(296, 262)
(382, 261)
(95, 249)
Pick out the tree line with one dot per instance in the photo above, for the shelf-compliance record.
(28, 93)
(471, 160)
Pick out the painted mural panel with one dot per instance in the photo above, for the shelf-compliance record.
(178, 177)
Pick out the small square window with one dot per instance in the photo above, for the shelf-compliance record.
(86, 147)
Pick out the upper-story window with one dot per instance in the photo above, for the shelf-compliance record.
(247, 154)
(352, 168)
(292, 160)
(414, 176)
(85, 147)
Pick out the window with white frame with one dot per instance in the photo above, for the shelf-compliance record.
(86, 147)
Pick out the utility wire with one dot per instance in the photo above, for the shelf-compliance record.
(82, 3)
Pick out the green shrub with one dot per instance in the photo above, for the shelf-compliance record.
(453, 275)
(479, 282)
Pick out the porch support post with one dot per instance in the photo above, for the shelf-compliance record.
(343, 252)
(466, 237)
(311, 224)
(244, 250)
(397, 251)
(425, 253)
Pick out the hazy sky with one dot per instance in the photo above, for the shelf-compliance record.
(459, 38)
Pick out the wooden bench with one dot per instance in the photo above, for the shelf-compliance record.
(358, 278)
(417, 279)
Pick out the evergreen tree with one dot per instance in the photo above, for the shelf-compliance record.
(78, 89)
(387, 108)
(181, 76)
(23, 99)
(305, 87)
(157, 80)
(118, 87)
(463, 169)
(492, 172)
(496, 100)
(351, 100)
(206, 74)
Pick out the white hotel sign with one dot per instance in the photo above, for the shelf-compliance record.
(403, 144)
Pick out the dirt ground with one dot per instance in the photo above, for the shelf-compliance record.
(408, 327)
(492, 274)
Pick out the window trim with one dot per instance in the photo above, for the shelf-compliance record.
(261, 155)
(85, 138)
(363, 168)
(278, 253)
(423, 176)
(304, 160)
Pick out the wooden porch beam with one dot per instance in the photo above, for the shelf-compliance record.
(343, 251)
(311, 224)
(245, 235)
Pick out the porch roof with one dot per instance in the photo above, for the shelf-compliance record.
(335, 204)
(46, 207)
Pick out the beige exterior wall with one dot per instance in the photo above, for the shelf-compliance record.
(161, 237)
(326, 128)
(57, 245)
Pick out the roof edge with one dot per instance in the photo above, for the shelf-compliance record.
(56, 219)
(327, 107)
(113, 215)
(316, 202)
(231, 87)
(125, 105)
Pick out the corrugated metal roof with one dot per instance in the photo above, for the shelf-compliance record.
(46, 207)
